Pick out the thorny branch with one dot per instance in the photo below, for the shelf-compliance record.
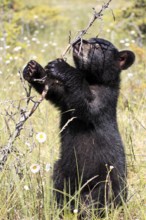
(96, 15)
(25, 115)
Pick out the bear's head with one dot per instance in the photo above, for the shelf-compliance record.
(100, 60)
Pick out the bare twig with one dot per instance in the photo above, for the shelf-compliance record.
(96, 15)
(18, 127)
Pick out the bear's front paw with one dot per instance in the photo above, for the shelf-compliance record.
(30, 72)
(57, 69)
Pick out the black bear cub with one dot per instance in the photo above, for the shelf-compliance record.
(92, 156)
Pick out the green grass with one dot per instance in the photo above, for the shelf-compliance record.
(24, 195)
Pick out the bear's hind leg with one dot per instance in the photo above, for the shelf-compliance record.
(95, 201)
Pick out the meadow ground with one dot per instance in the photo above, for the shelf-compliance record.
(25, 180)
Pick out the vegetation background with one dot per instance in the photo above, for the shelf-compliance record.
(39, 29)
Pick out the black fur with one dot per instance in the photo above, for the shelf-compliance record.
(91, 147)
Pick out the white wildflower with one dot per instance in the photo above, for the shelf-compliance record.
(127, 39)
(127, 44)
(36, 32)
(75, 211)
(7, 61)
(54, 44)
(12, 82)
(25, 38)
(45, 45)
(132, 32)
(41, 137)
(5, 34)
(7, 47)
(34, 39)
(27, 144)
(33, 57)
(16, 58)
(133, 41)
(122, 41)
(35, 168)
(26, 187)
(108, 30)
(130, 75)
(2, 39)
(16, 49)
(35, 16)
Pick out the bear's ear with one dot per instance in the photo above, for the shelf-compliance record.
(126, 59)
